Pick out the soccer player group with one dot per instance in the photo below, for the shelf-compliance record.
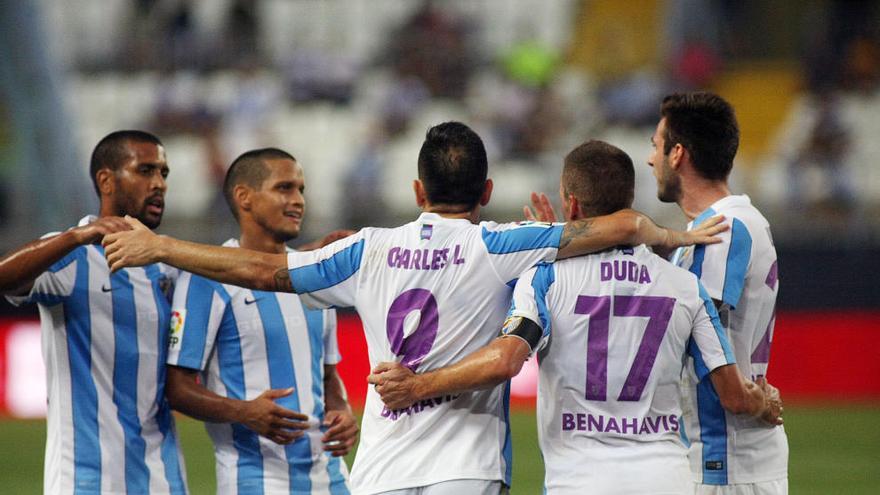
(651, 374)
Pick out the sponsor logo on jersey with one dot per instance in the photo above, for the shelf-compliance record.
(175, 337)
(427, 232)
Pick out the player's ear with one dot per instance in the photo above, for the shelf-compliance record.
(574, 208)
(241, 194)
(421, 195)
(677, 155)
(104, 178)
(487, 192)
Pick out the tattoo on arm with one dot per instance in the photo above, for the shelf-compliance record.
(577, 228)
(282, 281)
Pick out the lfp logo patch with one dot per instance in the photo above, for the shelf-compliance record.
(175, 338)
(427, 232)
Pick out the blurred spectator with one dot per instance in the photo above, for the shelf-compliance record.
(314, 74)
(819, 175)
(241, 38)
(433, 46)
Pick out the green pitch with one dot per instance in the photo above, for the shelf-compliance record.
(833, 450)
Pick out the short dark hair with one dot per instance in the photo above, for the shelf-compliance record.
(110, 152)
(250, 169)
(705, 124)
(600, 176)
(453, 165)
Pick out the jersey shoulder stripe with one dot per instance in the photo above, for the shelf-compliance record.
(738, 257)
(523, 237)
(330, 271)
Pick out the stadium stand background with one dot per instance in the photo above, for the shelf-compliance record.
(350, 86)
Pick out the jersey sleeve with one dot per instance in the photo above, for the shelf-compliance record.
(197, 312)
(328, 277)
(331, 347)
(708, 345)
(530, 301)
(722, 267)
(515, 247)
(56, 283)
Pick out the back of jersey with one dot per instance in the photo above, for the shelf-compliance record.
(429, 293)
(741, 273)
(617, 326)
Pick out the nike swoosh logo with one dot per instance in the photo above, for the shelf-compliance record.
(250, 301)
(104, 288)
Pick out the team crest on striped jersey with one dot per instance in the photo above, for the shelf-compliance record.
(175, 337)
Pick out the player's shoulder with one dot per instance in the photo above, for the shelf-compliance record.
(739, 208)
(680, 279)
(490, 226)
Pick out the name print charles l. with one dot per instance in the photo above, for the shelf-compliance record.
(424, 259)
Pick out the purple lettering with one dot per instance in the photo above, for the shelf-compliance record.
(619, 270)
(436, 260)
(438, 400)
(644, 276)
(426, 265)
(644, 429)
(611, 425)
(605, 271)
(582, 422)
(567, 421)
(392, 256)
(456, 256)
(426, 404)
(596, 423)
(417, 259)
(385, 412)
(632, 271)
(627, 425)
(665, 424)
(655, 425)
(673, 420)
(403, 259)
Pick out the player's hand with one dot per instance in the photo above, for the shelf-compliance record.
(138, 246)
(395, 384)
(95, 231)
(543, 210)
(341, 433)
(327, 239)
(279, 424)
(703, 234)
(773, 413)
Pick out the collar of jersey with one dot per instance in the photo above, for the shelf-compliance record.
(434, 217)
(233, 242)
(86, 220)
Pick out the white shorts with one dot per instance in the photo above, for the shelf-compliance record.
(455, 487)
(775, 487)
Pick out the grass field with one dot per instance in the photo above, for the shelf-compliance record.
(834, 450)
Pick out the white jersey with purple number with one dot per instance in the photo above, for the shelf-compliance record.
(109, 426)
(741, 273)
(245, 342)
(617, 326)
(429, 293)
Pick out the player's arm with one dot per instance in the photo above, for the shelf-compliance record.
(327, 239)
(739, 395)
(630, 228)
(262, 414)
(500, 360)
(342, 427)
(235, 266)
(20, 268)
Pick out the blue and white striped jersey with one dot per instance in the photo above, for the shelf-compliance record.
(245, 342)
(741, 272)
(429, 293)
(617, 327)
(110, 430)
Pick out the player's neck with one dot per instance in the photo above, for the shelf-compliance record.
(700, 194)
(261, 242)
(446, 212)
